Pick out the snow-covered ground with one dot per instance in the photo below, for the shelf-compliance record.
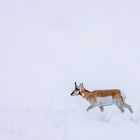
(47, 45)
(68, 124)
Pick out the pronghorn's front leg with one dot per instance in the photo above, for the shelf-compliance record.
(90, 107)
(101, 108)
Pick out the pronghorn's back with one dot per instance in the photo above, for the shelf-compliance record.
(104, 93)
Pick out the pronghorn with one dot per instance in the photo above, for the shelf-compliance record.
(101, 98)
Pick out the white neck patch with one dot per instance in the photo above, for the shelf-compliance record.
(83, 95)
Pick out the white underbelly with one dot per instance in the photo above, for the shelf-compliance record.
(104, 101)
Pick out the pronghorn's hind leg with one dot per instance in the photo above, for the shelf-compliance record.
(118, 100)
(120, 107)
(90, 107)
(102, 108)
(128, 107)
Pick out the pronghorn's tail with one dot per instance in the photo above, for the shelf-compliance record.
(123, 96)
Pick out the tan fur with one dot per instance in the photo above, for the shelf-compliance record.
(92, 95)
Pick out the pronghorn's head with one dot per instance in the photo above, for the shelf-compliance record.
(77, 89)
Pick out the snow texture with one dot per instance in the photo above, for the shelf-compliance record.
(47, 45)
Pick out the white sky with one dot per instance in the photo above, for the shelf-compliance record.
(47, 45)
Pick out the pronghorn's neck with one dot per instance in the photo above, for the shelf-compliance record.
(84, 93)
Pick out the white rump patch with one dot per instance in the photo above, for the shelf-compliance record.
(103, 101)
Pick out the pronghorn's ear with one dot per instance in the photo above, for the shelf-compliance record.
(81, 86)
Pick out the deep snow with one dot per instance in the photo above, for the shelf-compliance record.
(68, 124)
(45, 46)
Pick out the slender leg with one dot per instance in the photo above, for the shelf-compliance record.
(101, 108)
(128, 107)
(120, 107)
(90, 107)
(119, 103)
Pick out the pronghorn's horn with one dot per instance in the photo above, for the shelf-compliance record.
(75, 84)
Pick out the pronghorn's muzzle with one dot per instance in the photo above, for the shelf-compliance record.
(72, 94)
